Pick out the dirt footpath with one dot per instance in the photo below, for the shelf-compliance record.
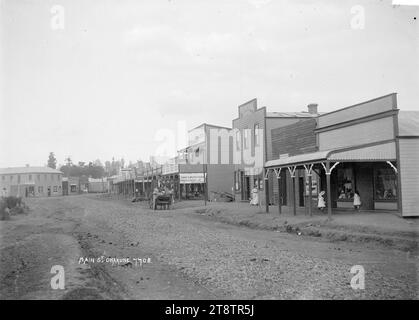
(190, 256)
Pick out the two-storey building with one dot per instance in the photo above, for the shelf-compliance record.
(30, 181)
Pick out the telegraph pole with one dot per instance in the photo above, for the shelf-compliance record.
(204, 169)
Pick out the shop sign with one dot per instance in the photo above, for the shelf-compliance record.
(187, 178)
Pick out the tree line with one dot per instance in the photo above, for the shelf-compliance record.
(94, 169)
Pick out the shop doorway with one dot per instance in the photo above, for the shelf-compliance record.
(301, 189)
(364, 185)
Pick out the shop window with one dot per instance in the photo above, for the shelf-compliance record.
(55, 188)
(246, 138)
(238, 140)
(385, 184)
(38, 177)
(257, 136)
(237, 181)
(30, 177)
(40, 189)
(18, 178)
(345, 182)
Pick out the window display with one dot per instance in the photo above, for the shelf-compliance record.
(385, 184)
(345, 184)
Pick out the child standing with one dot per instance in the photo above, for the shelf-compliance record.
(321, 204)
(357, 200)
(254, 200)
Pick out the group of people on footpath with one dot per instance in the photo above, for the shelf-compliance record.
(321, 202)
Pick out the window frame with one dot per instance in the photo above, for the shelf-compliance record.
(238, 140)
(393, 174)
(256, 137)
(246, 138)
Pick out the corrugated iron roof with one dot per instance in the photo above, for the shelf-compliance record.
(23, 170)
(381, 152)
(301, 158)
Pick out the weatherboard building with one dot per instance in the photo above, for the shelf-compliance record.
(30, 181)
(371, 147)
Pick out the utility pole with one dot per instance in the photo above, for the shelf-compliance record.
(204, 168)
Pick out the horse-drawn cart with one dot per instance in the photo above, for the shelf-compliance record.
(162, 201)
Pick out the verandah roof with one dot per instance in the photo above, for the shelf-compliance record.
(380, 152)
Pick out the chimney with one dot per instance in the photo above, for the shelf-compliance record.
(312, 108)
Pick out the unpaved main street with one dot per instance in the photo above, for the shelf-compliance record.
(190, 257)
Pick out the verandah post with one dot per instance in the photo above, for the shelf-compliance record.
(294, 195)
(310, 194)
(279, 193)
(278, 177)
(329, 193)
(266, 190)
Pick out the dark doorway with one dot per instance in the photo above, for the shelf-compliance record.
(301, 189)
(364, 184)
(283, 194)
(247, 192)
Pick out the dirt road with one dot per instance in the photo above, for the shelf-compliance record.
(179, 254)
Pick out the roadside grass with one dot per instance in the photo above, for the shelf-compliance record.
(377, 228)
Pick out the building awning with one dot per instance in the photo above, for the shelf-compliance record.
(380, 152)
(299, 159)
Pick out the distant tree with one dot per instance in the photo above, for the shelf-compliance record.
(108, 166)
(113, 167)
(52, 162)
(98, 163)
(68, 161)
(91, 170)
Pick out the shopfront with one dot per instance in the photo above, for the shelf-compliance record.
(376, 183)
(192, 185)
(369, 170)
(365, 148)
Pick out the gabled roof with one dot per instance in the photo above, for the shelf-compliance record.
(23, 170)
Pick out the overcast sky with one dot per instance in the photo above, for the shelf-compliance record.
(119, 74)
